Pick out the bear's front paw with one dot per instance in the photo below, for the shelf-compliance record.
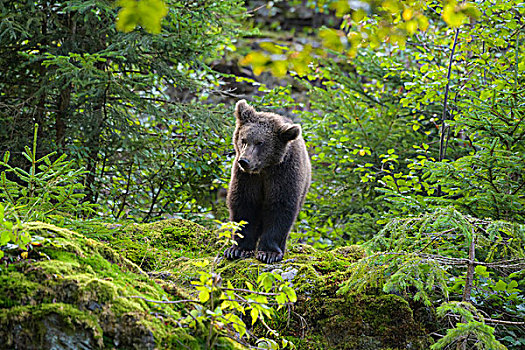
(269, 257)
(234, 252)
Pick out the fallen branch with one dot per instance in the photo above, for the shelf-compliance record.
(165, 301)
(491, 320)
(250, 291)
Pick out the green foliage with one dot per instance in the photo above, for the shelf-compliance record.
(405, 271)
(488, 182)
(48, 191)
(49, 187)
(359, 133)
(482, 130)
(220, 304)
(11, 232)
(126, 106)
(424, 258)
(364, 24)
(469, 330)
(146, 13)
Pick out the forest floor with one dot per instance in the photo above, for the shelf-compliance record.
(105, 286)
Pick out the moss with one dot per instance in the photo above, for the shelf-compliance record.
(98, 278)
(79, 290)
(307, 280)
(178, 339)
(239, 272)
(60, 267)
(158, 245)
(353, 252)
(16, 289)
(41, 326)
(66, 245)
(363, 322)
(99, 290)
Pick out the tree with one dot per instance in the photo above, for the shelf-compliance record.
(397, 112)
(477, 163)
(124, 105)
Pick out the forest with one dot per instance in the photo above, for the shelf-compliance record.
(116, 149)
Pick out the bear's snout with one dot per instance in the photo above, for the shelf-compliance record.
(244, 164)
(249, 166)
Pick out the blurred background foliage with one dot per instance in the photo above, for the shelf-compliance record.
(406, 105)
(408, 108)
(126, 106)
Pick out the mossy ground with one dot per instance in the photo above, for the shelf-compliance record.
(80, 288)
(78, 292)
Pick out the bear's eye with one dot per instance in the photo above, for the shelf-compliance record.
(258, 143)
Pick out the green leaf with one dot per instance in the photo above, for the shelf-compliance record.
(146, 13)
(500, 286)
(451, 14)
(481, 271)
(237, 324)
(341, 7)
(254, 313)
(511, 286)
(290, 293)
(332, 38)
(272, 48)
(4, 237)
(265, 280)
(281, 299)
(279, 68)
(249, 285)
(204, 295)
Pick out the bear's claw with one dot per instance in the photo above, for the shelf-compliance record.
(269, 257)
(235, 252)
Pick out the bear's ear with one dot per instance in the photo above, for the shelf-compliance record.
(243, 111)
(290, 132)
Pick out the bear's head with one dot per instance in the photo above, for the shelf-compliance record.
(261, 139)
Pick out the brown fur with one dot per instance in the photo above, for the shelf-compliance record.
(269, 181)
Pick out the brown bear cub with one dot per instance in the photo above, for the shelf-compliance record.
(270, 177)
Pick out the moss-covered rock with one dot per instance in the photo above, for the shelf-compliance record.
(157, 246)
(321, 319)
(86, 287)
(361, 322)
(77, 292)
(49, 326)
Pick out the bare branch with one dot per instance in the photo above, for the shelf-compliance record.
(164, 301)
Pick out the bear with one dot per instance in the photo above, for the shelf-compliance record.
(270, 177)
